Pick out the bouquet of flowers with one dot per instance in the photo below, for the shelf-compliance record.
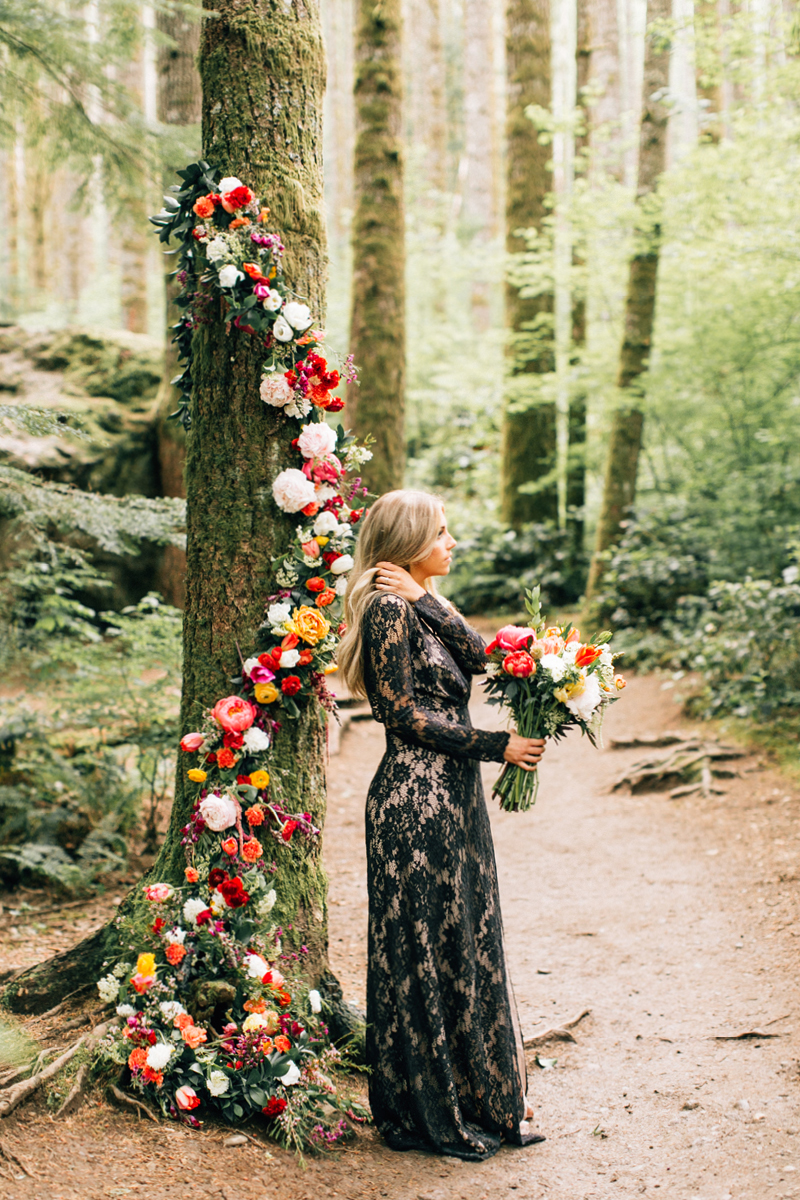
(550, 681)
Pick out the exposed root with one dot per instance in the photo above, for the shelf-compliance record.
(690, 765)
(11, 1158)
(15, 1095)
(558, 1033)
(77, 1093)
(131, 1102)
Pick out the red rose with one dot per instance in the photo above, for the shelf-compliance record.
(274, 1107)
(356, 515)
(335, 404)
(238, 198)
(520, 664)
(330, 556)
(291, 685)
(216, 876)
(587, 655)
(211, 758)
(242, 778)
(233, 741)
(204, 917)
(226, 758)
(306, 656)
(317, 584)
(326, 597)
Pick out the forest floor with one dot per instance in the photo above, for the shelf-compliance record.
(674, 921)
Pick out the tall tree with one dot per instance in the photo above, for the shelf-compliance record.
(625, 440)
(529, 426)
(375, 406)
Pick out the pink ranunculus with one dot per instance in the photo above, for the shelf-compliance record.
(234, 714)
(510, 637)
(186, 1098)
(157, 893)
(191, 742)
(316, 440)
(311, 549)
(328, 471)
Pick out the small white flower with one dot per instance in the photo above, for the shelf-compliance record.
(289, 658)
(108, 987)
(255, 741)
(125, 1010)
(192, 909)
(282, 331)
(291, 1075)
(340, 587)
(266, 904)
(341, 564)
(159, 1055)
(218, 1083)
(790, 574)
(176, 936)
(257, 967)
(298, 315)
(272, 301)
(606, 657)
(493, 669)
(326, 524)
(315, 1001)
(217, 250)
(286, 577)
(229, 276)
(278, 613)
(170, 1009)
(554, 665)
(122, 969)
(300, 407)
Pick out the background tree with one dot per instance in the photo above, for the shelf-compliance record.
(375, 406)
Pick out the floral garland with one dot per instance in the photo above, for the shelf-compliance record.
(213, 1012)
(225, 248)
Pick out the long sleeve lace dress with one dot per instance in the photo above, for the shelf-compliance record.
(443, 1040)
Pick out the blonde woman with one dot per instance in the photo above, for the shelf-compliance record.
(443, 1041)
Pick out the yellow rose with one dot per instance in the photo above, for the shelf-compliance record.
(259, 779)
(310, 625)
(322, 541)
(146, 964)
(266, 693)
(196, 775)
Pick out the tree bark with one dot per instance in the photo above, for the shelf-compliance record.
(375, 406)
(528, 437)
(625, 440)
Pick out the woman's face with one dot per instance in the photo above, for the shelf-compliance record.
(437, 562)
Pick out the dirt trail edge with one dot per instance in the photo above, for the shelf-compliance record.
(674, 921)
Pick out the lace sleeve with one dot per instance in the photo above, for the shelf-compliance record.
(390, 684)
(465, 644)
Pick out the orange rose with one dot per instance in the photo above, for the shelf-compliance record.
(194, 1036)
(255, 1006)
(175, 952)
(326, 597)
(191, 874)
(282, 1043)
(204, 207)
(239, 222)
(183, 1021)
(252, 850)
(311, 626)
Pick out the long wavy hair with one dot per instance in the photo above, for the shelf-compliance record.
(402, 528)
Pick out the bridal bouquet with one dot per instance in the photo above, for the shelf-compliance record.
(550, 681)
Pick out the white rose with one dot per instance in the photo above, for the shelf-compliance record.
(340, 587)
(582, 706)
(170, 1009)
(315, 1001)
(272, 301)
(218, 1083)
(325, 524)
(255, 740)
(276, 390)
(218, 811)
(192, 909)
(217, 250)
(229, 276)
(291, 1075)
(125, 1010)
(341, 564)
(282, 331)
(298, 315)
(292, 491)
(278, 613)
(289, 658)
(257, 967)
(228, 184)
(159, 1055)
(554, 665)
(317, 440)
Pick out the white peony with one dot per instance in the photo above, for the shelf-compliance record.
(219, 811)
(292, 491)
(229, 276)
(291, 1076)
(315, 1001)
(325, 524)
(316, 440)
(108, 987)
(277, 614)
(125, 1010)
(272, 301)
(554, 665)
(218, 1083)
(228, 184)
(276, 390)
(289, 658)
(159, 1055)
(217, 250)
(282, 331)
(170, 1009)
(255, 740)
(583, 704)
(340, 587)
(298, 315)
(341, 564)
(257, 966)
(192, 909)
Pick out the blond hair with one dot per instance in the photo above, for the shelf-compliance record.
(401, 528)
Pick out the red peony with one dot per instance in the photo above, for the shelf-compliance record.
(233, 892)
(510, 637)
(233, 741)
(204, 917)
(291, 685)
(519, 664)
(274, 1107)
(216, 876)
(335, 404)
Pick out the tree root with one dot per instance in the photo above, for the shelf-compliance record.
(558, 1033)
(131, 1102)
(77, 1093)
(16, 1094)
(12, 1159)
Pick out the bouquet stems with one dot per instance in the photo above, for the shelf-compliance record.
(516, 788)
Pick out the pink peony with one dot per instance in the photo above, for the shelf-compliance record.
(186, 1098)
(234, 714)
(218, 811)
(191, 742)
(276, 390)
(157, 893)
(292, 491)
(510, 637)
(317, 440)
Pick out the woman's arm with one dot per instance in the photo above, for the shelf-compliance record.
(386, 647)
(464, 643)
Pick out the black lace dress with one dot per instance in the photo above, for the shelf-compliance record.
(443, 1040)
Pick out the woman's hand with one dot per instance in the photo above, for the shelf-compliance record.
(391, 578)
(524, 752)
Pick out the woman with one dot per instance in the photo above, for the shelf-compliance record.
(443, 1041)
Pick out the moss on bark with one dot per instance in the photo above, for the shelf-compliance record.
(377, 336)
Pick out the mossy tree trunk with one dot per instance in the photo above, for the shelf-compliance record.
(529, 436)
(376, 405)
(262, 66)
(625, 440)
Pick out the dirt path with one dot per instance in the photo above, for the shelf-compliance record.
(675, 922)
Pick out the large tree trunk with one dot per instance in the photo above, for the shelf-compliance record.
(626, 431)
(375, 406)
(262, 66)
(529, 437)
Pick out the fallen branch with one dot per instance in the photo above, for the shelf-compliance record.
(747, 1033)
(558, 1033)
(131, 1102)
